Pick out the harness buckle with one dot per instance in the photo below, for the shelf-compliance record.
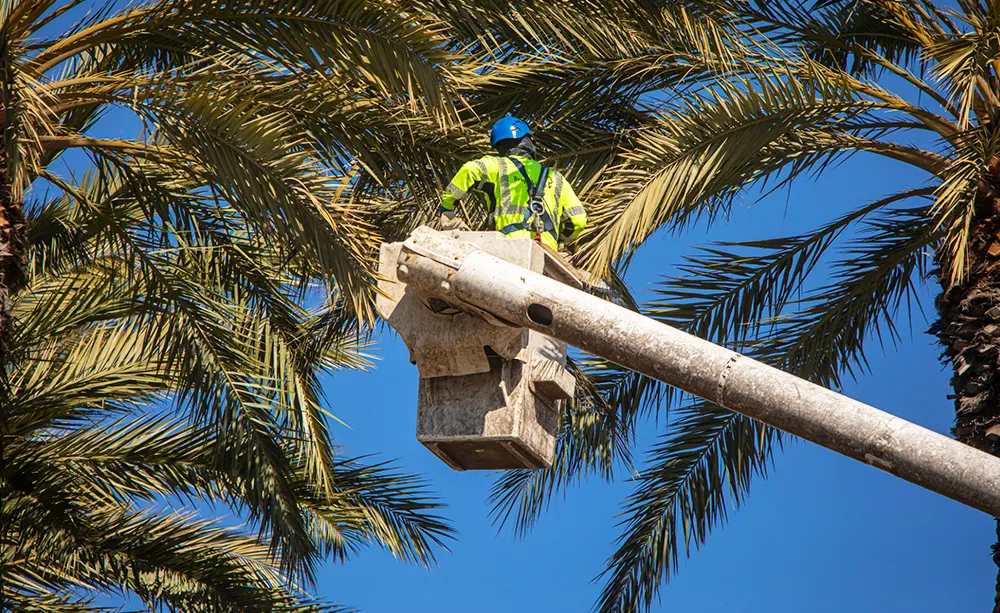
(536, 205)
(538, 210)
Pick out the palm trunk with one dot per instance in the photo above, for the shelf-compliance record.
(13, 239)
(969, 329)
(13, 244)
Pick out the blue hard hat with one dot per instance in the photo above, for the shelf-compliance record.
(507, 128)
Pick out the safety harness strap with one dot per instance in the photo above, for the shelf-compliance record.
(535, 211)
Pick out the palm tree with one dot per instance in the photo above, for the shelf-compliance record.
(212, 81)
(110, 342)
(158, 343)
(676, 111)
(804, 90)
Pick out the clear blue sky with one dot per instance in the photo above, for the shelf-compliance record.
(822, 533)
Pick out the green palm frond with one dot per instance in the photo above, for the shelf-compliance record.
(130, 461)
(505, 30)
(152, 458)
(691, 477)
(197, 336)
(696, 159)
(710, 455)
(633, 53)
(962, 59)
(22, 596)
(857, 35)
(372, 503)
(397, 49)
(875, 278)
(125, 463)
(167, 560)
(730, 292)
(595, 439)
(193, 344)
(955, 205)
(208, 267)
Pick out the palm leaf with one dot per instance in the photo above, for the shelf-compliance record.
(710, 455)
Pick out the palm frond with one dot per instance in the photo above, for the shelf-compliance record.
(733, 289)
(875, 278)
(701, 155)
(167, 560)
(372, 503)
(710, 455)
(594, 439)
(692, 475)
(182, 272)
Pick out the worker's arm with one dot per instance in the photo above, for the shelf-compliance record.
(468, 177)
(574, 217)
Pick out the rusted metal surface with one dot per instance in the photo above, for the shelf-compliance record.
(510, 293)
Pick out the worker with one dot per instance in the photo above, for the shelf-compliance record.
(526, 199)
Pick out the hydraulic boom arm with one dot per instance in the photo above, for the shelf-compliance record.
(460, 274)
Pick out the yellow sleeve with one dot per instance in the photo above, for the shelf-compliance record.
(468, 177)
(573, 217)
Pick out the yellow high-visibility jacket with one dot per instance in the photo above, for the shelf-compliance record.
(508, 193)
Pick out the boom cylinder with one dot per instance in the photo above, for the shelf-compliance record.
(457, 272)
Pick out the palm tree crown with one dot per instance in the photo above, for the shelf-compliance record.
(175, 297)
(807, 84)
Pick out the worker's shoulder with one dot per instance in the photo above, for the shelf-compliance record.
(554, 173)
(485, 158)
(490, 162)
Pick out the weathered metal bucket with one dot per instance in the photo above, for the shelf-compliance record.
(490, 393)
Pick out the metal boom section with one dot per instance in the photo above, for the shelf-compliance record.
(437, 265)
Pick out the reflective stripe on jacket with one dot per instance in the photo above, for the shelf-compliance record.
(508, 194)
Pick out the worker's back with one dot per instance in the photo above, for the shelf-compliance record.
(509, 182)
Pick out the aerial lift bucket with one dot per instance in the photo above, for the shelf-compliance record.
(490, 392)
